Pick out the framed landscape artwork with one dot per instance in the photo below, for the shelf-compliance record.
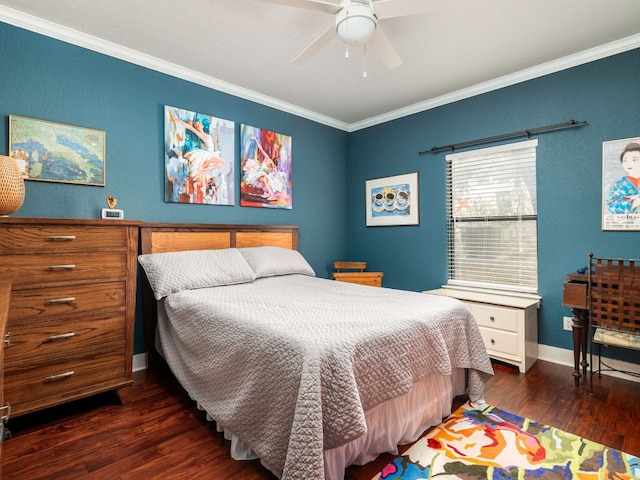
(392, 200)
(266, 168)
(621, 184)
(199, 158)
(54, 152)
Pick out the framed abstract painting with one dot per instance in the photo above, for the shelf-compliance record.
(266, 168)
(54, 152)
(199, 158)
(392, 200)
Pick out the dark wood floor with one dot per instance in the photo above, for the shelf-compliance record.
(161, 435)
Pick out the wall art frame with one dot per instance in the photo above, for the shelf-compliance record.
(621, 184)
(391, 201)
(55, 152)
(266, 159)
(199, 158)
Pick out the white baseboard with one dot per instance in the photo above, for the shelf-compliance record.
(563, 356)
(139, 362)
(560, 356)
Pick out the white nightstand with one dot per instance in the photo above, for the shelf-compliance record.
(508, 324)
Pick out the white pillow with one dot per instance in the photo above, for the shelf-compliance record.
(273, 261)
(177, 271)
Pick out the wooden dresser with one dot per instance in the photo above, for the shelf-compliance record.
(72, 309)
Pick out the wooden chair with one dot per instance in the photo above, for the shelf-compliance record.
(614, 308)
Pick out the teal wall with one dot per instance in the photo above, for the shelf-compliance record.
(51, 80)
(605, 93)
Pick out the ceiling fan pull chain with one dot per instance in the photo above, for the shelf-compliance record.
(364, 60)
(346, 44)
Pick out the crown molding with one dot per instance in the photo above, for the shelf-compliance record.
(74, 37)
(574, 60)
(68, 35)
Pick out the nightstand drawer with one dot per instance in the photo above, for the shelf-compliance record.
(62, 267)
(500, 341)
(494, 317)
(56, 338)
(68, 300)
(60, 238)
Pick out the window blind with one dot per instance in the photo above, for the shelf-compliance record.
(492, 218)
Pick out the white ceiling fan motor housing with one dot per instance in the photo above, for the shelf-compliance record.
(356, 22)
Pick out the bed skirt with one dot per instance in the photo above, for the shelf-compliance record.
(396, 422)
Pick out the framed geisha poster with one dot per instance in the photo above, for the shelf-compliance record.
(199, 157)
(621, 184)
(266, 168)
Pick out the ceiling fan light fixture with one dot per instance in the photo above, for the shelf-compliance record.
(356, 24)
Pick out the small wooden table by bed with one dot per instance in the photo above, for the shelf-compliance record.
(356, 274)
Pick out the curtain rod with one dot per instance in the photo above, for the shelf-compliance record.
(504, 136)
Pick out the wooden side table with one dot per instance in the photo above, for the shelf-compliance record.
(575, 296)
(356, 274)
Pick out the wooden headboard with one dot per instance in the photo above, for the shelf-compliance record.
(175, 237)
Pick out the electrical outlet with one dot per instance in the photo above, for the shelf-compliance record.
(568, 323)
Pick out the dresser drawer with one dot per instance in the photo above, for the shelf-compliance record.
(34, 382)
(59, 238)
(62, 267)
(494, 317)
(56, 338)
(37, 304)
(500, 341)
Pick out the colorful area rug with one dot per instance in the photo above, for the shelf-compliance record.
(483, 442)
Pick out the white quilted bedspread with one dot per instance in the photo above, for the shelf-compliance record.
(289, 364)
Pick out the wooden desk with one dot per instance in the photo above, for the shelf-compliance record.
(575, 297)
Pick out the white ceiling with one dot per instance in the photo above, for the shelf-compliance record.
(245, 47)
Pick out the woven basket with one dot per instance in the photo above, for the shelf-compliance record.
(11, 186)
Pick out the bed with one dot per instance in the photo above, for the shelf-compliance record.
(308, 374)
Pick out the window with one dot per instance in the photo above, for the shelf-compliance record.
(492, 218)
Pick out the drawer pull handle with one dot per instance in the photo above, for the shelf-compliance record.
(61, 267)
(492, 318)
(493, 341)
(61, 238)
(60, 300)
(53, 338)
(5, 414)
(7, 338)
(59, 376)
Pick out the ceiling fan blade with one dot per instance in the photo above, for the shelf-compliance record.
(401, 8)
(383, 48)
(316, 5)
(315, 46)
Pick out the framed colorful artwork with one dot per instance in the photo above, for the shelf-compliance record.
(621, 184)
(199, 158)
(54, 152)
(392, 200)
(266, 168)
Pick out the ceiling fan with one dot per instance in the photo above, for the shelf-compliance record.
(357, 23)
